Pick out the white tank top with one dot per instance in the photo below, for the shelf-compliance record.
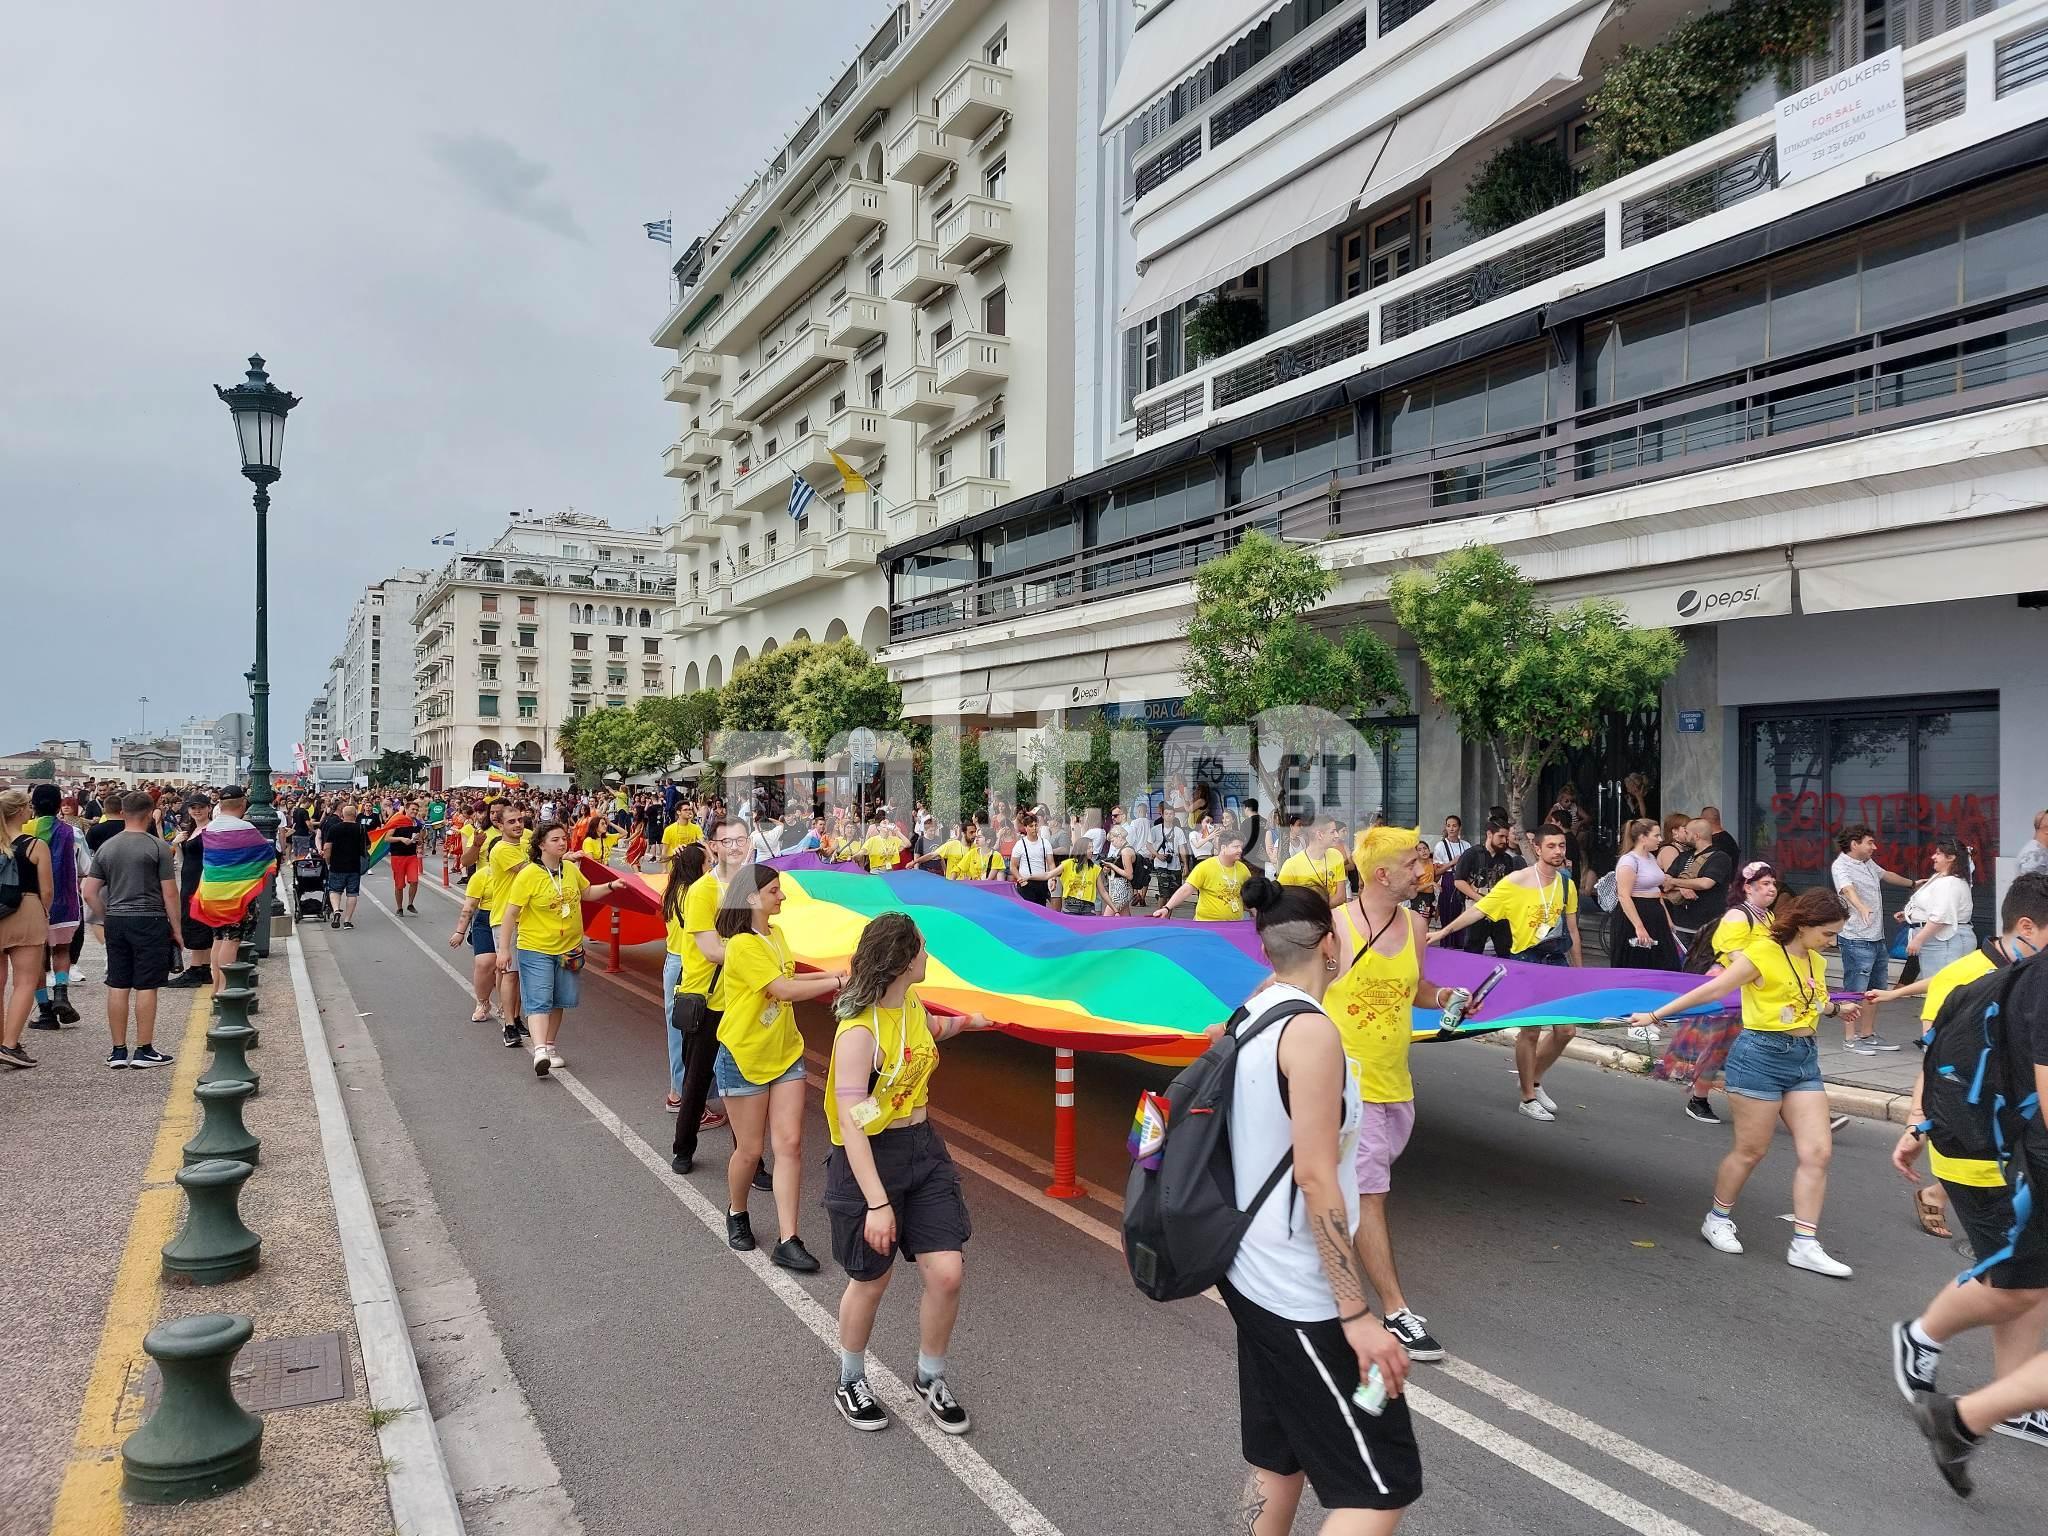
(1277, 1265)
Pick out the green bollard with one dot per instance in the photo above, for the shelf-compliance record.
(221, 1132)
(241, 975)
(200, 1442)
(246, 952)
(213, 1247)
(230, 1064)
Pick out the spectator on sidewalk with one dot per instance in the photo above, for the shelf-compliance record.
(198, 937)
(1858, 879)
(2033, 858)
(67, 854)
(133, 891)
(24, 928)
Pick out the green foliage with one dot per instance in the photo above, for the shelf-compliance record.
(756, 696)
(838, 688)
(682, 721)
(1526, 679)
(1096, 782)
(1223, 323)
(1656, 101)
(41, 768)
(617, 741)
(394, 769)
(1517, 182)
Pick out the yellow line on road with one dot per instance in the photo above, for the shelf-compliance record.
(89, 1503)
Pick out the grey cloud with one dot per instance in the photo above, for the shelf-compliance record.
(500, 177)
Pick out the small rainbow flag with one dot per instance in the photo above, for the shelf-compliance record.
(380, 838)
(500, 775)
(230, 874)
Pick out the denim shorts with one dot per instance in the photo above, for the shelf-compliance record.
(734, 1084)
(543, 985)
(483, 939)
(344, 885)
(1866, 965)
(1767, 1065)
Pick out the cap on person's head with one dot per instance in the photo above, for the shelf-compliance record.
(233, 792)
(196, 799)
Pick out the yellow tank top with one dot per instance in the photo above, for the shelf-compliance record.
(1372, 1004)
(905, 1057)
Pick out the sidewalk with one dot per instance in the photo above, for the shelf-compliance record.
(90, 1200)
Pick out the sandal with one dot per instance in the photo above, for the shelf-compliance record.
(481, 1016)
(1930, 1215)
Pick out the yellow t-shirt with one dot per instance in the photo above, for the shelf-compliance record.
(1957, 973)
(550, 908)
(1733, 933)
(1372, 1003)
(759, 1030)
(700, 915)
(1217, 898)
(680, 834)
(1788, 993)
(469, 837)
(1078, 883)
(1326, 876)
(593, 848)
(1527, 912)
(479, 887)
(507, 857)
(980, 862)
(882, 851)
(906, 1055)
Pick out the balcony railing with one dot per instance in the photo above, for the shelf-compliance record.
(799, 360)
(914, 395)
(973, 364)
(970, 496)
(719, 508)
(692, 530)
(911, 518)
(802, 568)
(767, 483)
(856, 432)
(920, 152)
(693, 450)
(857, 320)
(687, 617)
(1971, 360)
(974, 227)
(916, 273)
(798, 259)
(974, 98)
(1606, 233)
(719, 420)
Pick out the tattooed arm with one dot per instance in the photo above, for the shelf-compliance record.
(1312, 1058)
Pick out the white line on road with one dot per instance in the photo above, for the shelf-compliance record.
(1017, 1513)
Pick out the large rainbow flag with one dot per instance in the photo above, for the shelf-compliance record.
(1105, 983)
(231, 872)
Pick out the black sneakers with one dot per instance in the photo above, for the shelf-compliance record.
(512, 1033)
(148, 1056)
(858, 1407)
(739, 1232)
(763, 1182)
(1913, 1366)
(1406, 1326)
(46, 1018)
(791, 1253)
(1702, 1111)
(334, 920)
(117, 1058)
(15, 1056)
(1935, 1413)
(945, 1408)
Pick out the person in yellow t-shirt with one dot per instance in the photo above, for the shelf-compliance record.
(502, 854)
(680, 833)
(1773, 1070)
(1540, 905)
(474, 924)
(685, 868)
(1217, 884)
(1080, 879)
(760, 1062)
(690, 1010)
(1320, 864)
(890, 1184)
(541, 933)
(882, 848)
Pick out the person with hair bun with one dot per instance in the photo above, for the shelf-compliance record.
(890, 1184)
(541, 937)
(1307, 1340)
(1773, 1070)
(1639, 928)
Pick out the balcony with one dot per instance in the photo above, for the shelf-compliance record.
(798, 570)
(971, 229)
(919, 152)
(691, 452)
(692, 530)
(910, 519)
(916, 273)
(796, 260)
(857, 320)
(720, 511)
(676, 389)
(701, 369)
(973, 364)
(973, 99)
(856, 432)
(687, 617)
(766, 485)
(853, 550)
(914, 395)
(721, 422)
(970, 496)
(800, 359)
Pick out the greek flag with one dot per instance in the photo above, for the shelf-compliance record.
(447, 538)
(660, 230)
(800, 496)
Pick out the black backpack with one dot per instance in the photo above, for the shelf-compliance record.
(1182, 1224)
(1973, 1089)
(10, 881)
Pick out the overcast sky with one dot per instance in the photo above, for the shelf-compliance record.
(425, 216)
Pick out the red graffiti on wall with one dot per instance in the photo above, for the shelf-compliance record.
(1906, 826)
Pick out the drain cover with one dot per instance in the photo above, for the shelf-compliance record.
(291, 1372)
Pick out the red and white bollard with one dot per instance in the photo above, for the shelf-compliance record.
(1064, 1185)
(613, 968)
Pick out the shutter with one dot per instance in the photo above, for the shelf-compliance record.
(1133, 341)
(1169, 345)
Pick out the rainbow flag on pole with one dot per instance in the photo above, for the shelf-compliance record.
(499, 774)
(230, 874)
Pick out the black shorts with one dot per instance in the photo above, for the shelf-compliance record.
(202, 936)
(918, 1175)
(1294, 1386)
(1986, 1217)
(139, 952)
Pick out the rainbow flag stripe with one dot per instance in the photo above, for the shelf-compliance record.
(230, 874)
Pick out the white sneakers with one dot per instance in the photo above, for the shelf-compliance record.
(1811, 1256)
(1719, 1231)
(542, 1062)
(1545, 1099)
(1648, 1032)
(1533, 1108)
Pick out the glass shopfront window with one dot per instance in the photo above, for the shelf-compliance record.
(1911, 770)
(1283, 459)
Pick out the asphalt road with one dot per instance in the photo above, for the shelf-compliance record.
(1608, 1370)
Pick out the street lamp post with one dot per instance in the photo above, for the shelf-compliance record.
(259, 408)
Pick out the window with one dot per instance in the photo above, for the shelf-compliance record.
(571, 552)
(768, 547)
(875, 390)
(487, 634)
(838, 403)
(1034, 541)
(580, 677)
(1168, 502)
(802, 425)
(578, 708)
(650, 678)
(646, 619)
(998, 453)
(526, 607)
(529, 707)
(939, 215)
(616, 644)
(490, 602)
(376, 647)
(768, 449)
(527, 634)
(994, 179)
(528, 675)
(649, 646)
(997, 50)
(1385, 249)
(941, 338)
(487, 705)
(875, 268)
(942, 469)
(579, 642)
(603, 553)
(1287, 457)
(615, 677)
(488, 671)
(995, 313)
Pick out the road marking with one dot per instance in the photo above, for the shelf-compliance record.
(1609, 1501)
(1003, 1500)
(89, 1500)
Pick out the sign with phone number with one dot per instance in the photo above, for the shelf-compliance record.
(1846, 115)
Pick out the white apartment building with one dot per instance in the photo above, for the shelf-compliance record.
(200, 757)
(557, 616)
(1798, 411)
(372, 705)
(313, 735)
(895, 288)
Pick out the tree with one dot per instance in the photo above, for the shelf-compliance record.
(41, 768)
(756, 696)
(1255, 660)
(683, 722)
(615, 741)
(395, 769)
(839, 688)
(1526, 679)
(1095, 783)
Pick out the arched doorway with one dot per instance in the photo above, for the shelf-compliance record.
(487, 752)
(836, 630)
(526, 757)
(874, 634)
(690, 682)
(801, 637)
(739, 658)
(874, 162)
(768, 646)
(714, 674)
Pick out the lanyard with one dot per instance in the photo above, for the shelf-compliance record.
(1803, 982)
(886, 1074)
(1543, 911)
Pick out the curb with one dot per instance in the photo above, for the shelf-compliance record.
(423, 1501)
(1862, 1103)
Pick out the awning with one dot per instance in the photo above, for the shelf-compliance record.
(1506, 88)
(1172, 40)
(1320, 199)
(925, 694)
(2013, 564)
(1707, 595)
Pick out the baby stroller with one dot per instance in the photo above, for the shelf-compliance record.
(309, 885)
